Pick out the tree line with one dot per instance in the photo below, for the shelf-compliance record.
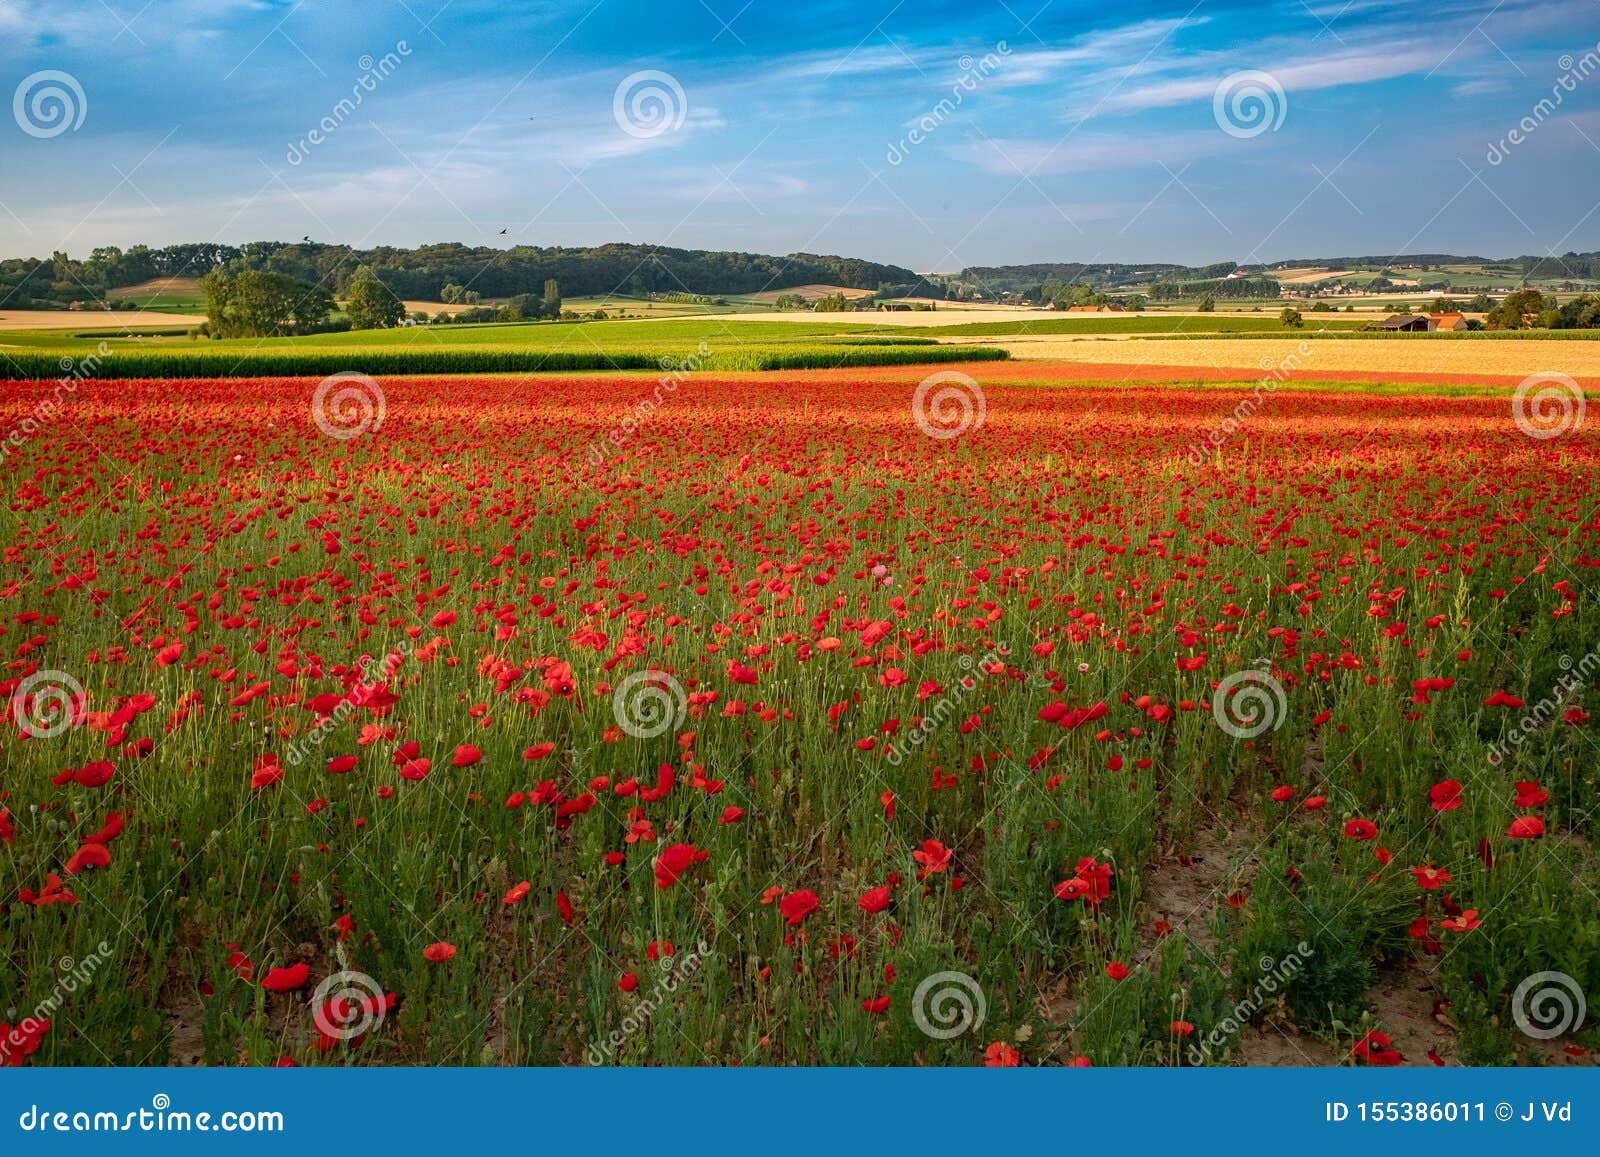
(422, 273)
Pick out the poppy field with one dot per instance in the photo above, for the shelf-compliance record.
(871, 717)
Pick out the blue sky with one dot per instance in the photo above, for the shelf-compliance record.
(1044, 131)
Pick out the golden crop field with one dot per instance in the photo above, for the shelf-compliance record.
(1576, 358)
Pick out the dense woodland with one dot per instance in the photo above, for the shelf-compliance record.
(423, 273)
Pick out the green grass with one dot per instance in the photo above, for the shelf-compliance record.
(511, 348)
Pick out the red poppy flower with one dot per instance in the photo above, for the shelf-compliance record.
(466, 755)
(516, 892)
(1526, 828)
(1530, 794)
(1072, 889)
(1361, 830)
(1446, 795)
(88, 856)
(286, 979)
(933, 856)
(439, 952)
(874, 900)
(876, 1005)
(1000, 1055)
(1429, 879)
(1375, 1048)
(268, 771)
(796, 906)
(674, 861)
(1117, 970)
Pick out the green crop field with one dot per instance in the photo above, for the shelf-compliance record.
(701, 343)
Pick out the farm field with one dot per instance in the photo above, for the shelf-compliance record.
(1310, 355)
(862, 717)
(701, 343)
(165, 295)
(26, 320)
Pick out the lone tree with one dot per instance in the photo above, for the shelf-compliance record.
(552, 298)
(255, 303)
(1291, 317)
(1519, 310)
(370, 305)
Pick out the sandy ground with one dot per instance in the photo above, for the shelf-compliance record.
(951, 316)
(1575, 358)
(809, 292)
(157, 286)
(431, 308)
(93, 319)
